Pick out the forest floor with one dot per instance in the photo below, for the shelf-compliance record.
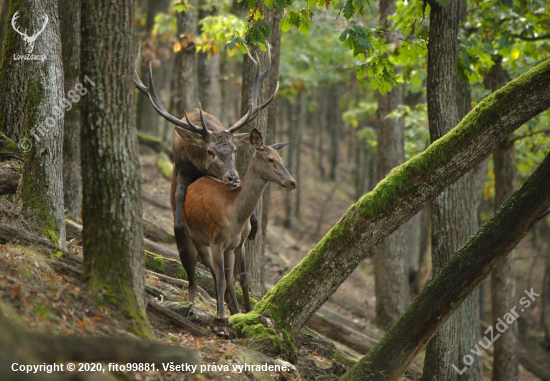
(45, 300)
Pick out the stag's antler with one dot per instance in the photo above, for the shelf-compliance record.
(155, 101)
(254, 109)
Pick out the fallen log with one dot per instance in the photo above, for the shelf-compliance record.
(178, 320)
(338, 332)
(153, 199)
(10, 233)
(8, 149)
(9, 178)
(155, 233)
(155, 144)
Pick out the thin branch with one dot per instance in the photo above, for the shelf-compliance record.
(543, 37)
(546, 132)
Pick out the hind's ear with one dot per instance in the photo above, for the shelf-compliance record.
(241, 140)
(190, 137)
(256, 139)
(278, 146)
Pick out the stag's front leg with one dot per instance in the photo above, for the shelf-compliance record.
(185, 247)
(241, 275)
(231, 297)
(218, 264)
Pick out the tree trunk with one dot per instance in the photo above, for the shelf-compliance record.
(69, 15)
(41, 188)
(334, 120)
(13, 75)
(265, 123)
(460, 276)
(390, 256)
(111, 204)
(148, 121)
(4, 11)
(209, 73)
(300, 127)
(290, 154)
(402, 194)
(186, 61)
(469, 312)
(505, 358)
(447, 208)
(545, 313)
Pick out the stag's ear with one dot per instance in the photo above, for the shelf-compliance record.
(278, 146)
(190, 137)
(256, 139)
(241, 140)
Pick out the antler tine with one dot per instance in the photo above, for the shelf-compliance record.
(202, 119)
(155, 101)
(259, 76)
(197, 129)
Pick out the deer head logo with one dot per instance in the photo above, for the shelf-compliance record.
(29, 41)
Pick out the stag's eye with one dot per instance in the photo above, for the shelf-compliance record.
(270, 160)
(210, 152)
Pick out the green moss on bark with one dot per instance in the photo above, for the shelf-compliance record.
(270, 340)
(165, 165)
(155, 262)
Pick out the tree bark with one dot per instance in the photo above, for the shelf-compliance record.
(13, 76)
(186, 60)
(335, 128)
(505, 358)
(265, 123)
(460, 276)
(447, 208)
(402, 194)
(390, 256)
(41, 188)
(545, 313)
(4, 11)
(69, 15)
(111, 204)
(209, 74)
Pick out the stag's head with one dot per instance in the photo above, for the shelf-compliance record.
(214, 151)
(29, 41)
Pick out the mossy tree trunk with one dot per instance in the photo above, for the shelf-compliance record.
(390, 256)
(505, 359)
(41, 188)
(460, 276)
(111, 205)
(264, 122)
(13, 77)
(402, 194)
(69, 15)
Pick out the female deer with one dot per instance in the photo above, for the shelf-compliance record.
(216, 217)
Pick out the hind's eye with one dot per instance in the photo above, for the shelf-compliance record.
(210, 152)
(270, 160)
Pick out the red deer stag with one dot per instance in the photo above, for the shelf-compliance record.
(216, 217)
(208, 150)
